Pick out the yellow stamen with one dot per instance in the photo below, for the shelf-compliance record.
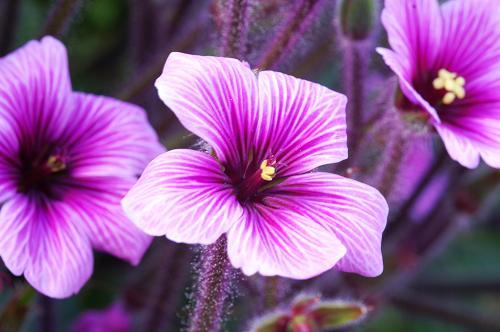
(452, 83)
(56, 164)
(268, 172)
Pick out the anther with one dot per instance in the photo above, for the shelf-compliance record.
(452, 83)
(268, 171)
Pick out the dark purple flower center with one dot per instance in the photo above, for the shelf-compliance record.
(41, 172)
(439, 88)
(255, 179)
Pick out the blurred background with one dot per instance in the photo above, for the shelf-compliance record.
(441, 248)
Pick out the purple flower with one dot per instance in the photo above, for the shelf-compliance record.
(66, 160)
(267, 131)
(447, 61)
(112, 319)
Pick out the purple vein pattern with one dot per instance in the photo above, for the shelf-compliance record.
(268, 131)
(66, 160)
(447, 59)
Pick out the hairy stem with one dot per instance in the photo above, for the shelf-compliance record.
(61, 15)
(234, 32)
(170, 282)
(292, 26)
(213, 288)
(389, 167)
(355, 68)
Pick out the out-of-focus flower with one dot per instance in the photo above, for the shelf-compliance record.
(113, 319)
(446, 58)
(66, 160)
(311, 314)
(268, 131)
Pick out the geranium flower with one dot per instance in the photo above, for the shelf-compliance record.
(267, 131)
(447, 61)
(66, 160)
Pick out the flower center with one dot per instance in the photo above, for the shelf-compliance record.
(40, 174)
(452, 84)
(253, 183)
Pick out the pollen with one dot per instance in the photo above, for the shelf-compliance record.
(452, 83)
(56, 164)
(268, 172)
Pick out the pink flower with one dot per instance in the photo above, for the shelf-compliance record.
(66, 160)
(267, 131)
(113, 319)
(447, 61)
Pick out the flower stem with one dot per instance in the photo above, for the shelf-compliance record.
(234, 32)
(355, 68)
(170, 282)
(302, 10)
(393, 157)
(60, 16)
(213, 288)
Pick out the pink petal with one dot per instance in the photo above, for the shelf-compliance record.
(96, 201)
(8, 154)
(273, 239)
(471, 38)
(414, 30)
(302, 123)
(459, 147)
(215, 98)
(395, 62)
(355, 212)
(35, 90)
(43, 240)
(109, 137)
(185, 195)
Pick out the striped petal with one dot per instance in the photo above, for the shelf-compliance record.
(96, 200)
(472, 125)
(414, 29)
(35, 91)
(274, 240)
(355, 212)
(108, 137)
(301, 123)
(185, 195)
(215, 98)
(43, 241)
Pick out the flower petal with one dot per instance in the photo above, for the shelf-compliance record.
(301, 123)
(355, 212)
(8, 161)
(215, 98)
(185, 195)
(459, 147)
(272, 239)
(35, 91)
(471, 36)
(97, 202)
(109, 137)
(395, 62)
(42, 239)
(414, 29)
(472, 125)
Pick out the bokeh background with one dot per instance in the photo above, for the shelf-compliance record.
(442, 261)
